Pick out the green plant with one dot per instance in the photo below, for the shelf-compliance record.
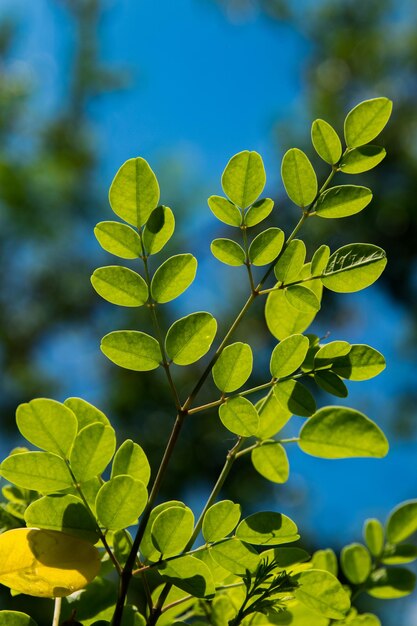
(242, 572)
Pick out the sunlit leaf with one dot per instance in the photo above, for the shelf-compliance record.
(235, 556)
(220, 520)
(362, 159)
(291, 261)
(173, 277)
(258, 211)
(244, 178)
(85, 412)
(172, 529)
(266, 246)
(120, 502)
(373, 533)
(398, 554)
(93, 450)
(190, 575)
(302, 299)
(270, 461)
(402, 522)
(65, 513)
(239, 416)
(288, 355)
(190, 337)
(354, 267)
(132, 350)
(366, 120)
(120, 285)
(299, 177)
(159, 229)
(295, 397)
(389, 583)
(228, 252)
(325, 560)
(342, 201)
(356, 563)
(118, 239)
(267, 528)
(147, 547)
(361, 363)
(225, 211)
(272, 416)
(130, 459)
(233, 367)
(15, 618)
(323, 593)
(326, 141)
(320, 260)
(42, 471)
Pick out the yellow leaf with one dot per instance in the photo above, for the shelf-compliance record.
(46, 563)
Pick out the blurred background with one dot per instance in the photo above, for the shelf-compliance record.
(86, 84)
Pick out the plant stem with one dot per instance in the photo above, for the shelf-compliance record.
(57, 611)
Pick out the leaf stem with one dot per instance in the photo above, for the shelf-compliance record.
(57, 611)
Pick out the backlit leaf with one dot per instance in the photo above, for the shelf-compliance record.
(258, 211)
(326, 141)
(134, 192)
(172, 529)
(173, 277)
(130, 459)
(402, 522)
(325, 560)
(159, 229)
(15, 618)
(235, 556)
(354, 267)
(299, 177)
(244, 178)
(373, 533)
(65, 513)
(85, 412)
(190, 337)
(147, 547)
(228, 251)
(132, 350)
(342, 201)
(46, 563)
(320, 260)
(266, 246)
(330, 382)
(362, 159)
(120, 285)
(190, 575)
(239, 416)
(302, 299)
(267, 528)
(225, 211)
(220, 520)
(93, 449)
(340, 432)
(366, 120)
(356, 563)
(390, 583)
(272, 416)
(323, 593)
(47, 424)
(120, 502)
(291, 261)
(295, 397)
(233, 367)
(41, 471)
(118, 239)
(361, 363)
(329, 352)
(270, 461)
(288, 355)
(398, 554)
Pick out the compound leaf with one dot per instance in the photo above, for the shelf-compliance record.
(233, 367)
(354, 267)
(343, 201)
(47, 424)
(220, 520)
(134, 192)
(118, 239)
(244, 178)
(228, 252)
(120, 502)
(190, 337)
(340, 432)
(120, 285)
(159, 229)
(132, 350)
(366, 120)
(239, 416)
(299, 177)
(173, 277)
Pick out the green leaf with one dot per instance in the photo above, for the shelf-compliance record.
(159, 229)
(326, 141)
(132, 350)
(272, 416)
(173, 277)
(373, 533)
(288, 355)
(266, 246)
(172, 530)
(285, 557)
(220, 520)
(362, 159)
(387, 584)
(47, 424)
(354, 267)
(364, 122)
(130, 459)
(320, 260)
(189, 574)
(147, 547)
(120, 285)
(302, 299)
(15, 618)
(120, 502)
(235, 556)
(339, 433)
(402, 522)
(325, 560)
(258, 211)
(93, 450)
(330, 382)
(239, 416)
(365, 619)
(228, 252)
(291, 261)
(65, 513)
(118, 239)
(329, 352)
(270, 461)
(299, 177)
(295, 397)
(41, 471)
(396, 555)
(356, 563)
(190, 337)
(233, 367)
(361, 363)
(244, 178)
(282, 319)
(225, 211)
(122, 544)
(134, 192)
(323, 593)
(267, 529)
(343, 201)
(85, 412)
